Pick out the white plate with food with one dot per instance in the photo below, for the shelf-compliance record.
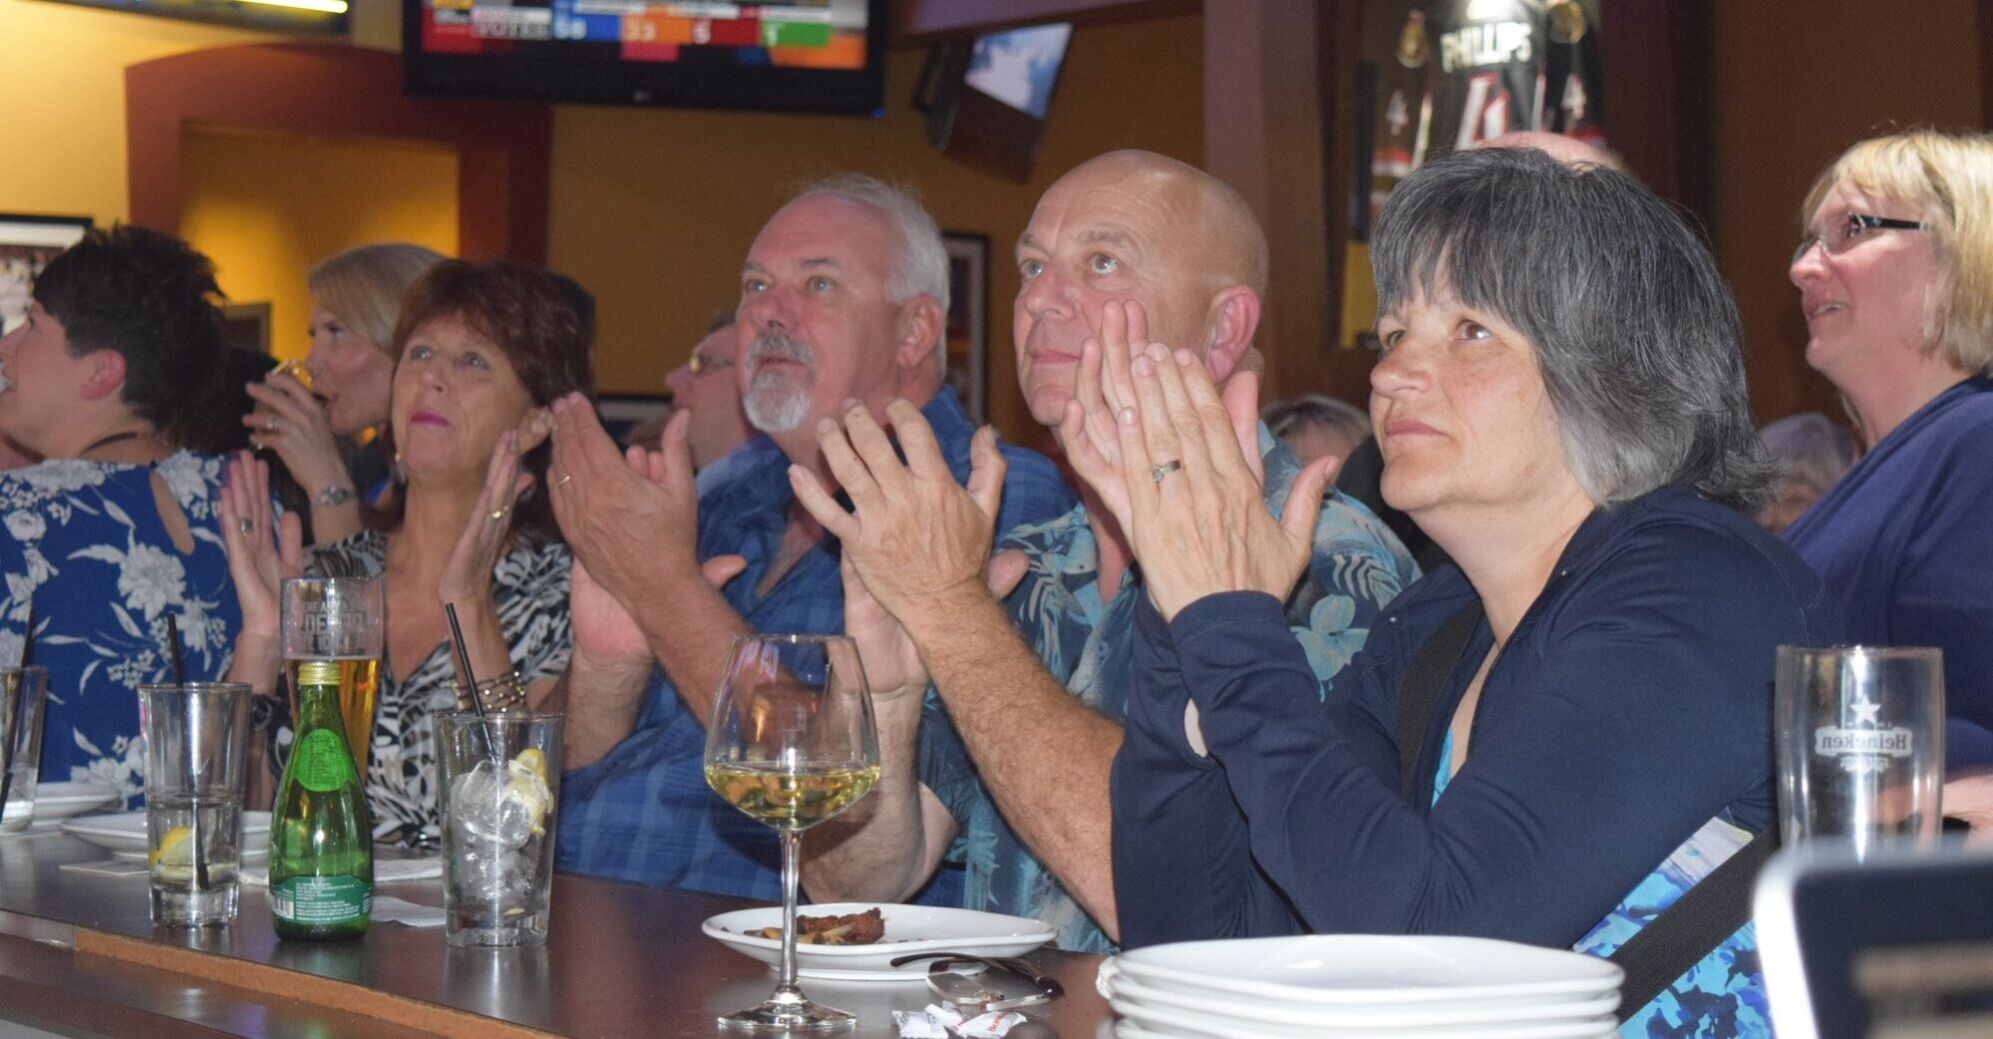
(125, 831)
(900, 930)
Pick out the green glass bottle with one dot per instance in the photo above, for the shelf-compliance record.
(321, 838)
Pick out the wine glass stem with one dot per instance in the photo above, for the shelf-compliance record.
(791, 854)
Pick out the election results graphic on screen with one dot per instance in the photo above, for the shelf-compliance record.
(778, 54)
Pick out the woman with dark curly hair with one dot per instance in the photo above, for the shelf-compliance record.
(481, 350)
(111, 380)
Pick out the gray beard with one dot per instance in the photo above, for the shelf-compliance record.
(775, 404)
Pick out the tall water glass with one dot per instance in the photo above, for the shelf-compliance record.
(1861, 744)
(501, 785)
(342, 620)
(791, 743)
(196, 748)
(23, 697)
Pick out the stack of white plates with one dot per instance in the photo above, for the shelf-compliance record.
(1369, 986)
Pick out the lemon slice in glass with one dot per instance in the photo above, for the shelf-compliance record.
(175, 853)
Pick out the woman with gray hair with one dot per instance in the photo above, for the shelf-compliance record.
(1548, 740)
(1811, 451)
(1895, 275)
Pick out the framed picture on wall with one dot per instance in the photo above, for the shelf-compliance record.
(27, 243)
(246, 326)
(968, 328)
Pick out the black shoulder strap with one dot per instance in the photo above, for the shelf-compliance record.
(1424, 684)
(1703, 918)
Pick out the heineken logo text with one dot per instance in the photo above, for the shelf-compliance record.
(1833, 742)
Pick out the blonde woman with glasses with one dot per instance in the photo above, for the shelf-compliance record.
(1895, 277)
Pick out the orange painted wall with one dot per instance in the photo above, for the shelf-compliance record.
(268, 207)
(63, 84)
(1795, 85)
(653, 210)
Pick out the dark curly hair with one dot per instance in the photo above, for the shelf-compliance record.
(153, 299)
(533, 317)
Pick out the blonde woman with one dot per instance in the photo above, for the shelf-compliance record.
(355, 304)
(1895, 277)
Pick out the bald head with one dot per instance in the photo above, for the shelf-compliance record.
(1141, 227)
(1568, 150)
(1211, 216)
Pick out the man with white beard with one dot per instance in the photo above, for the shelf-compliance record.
(844, 296)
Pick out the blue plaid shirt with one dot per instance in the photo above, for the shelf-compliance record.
(1087, 640)
(643, 812)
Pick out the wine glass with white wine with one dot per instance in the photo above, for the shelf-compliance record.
(791, 743)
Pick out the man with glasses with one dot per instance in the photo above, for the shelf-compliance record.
(706, 387)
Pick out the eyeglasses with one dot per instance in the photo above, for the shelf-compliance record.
(1852, 230)
(701, 364)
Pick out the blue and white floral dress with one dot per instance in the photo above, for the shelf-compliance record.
(85, 544)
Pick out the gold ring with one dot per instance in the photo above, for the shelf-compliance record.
(1157, 472)
(499, 513)
(562, 482)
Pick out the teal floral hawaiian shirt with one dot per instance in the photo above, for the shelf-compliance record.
(1087, 641)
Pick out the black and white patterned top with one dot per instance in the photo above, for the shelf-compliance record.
(529, 587)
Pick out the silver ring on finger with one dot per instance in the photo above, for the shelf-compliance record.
(1157, 472)
(270, 424)
(242, 526)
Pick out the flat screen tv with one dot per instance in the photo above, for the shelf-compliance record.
(986, 101)
(782, 55)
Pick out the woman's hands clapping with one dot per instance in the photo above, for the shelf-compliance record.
(466, 576)
(1178, 465)
(258, 561)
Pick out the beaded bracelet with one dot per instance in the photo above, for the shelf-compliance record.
(505, 693)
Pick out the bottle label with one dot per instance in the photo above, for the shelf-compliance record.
(322, 900)
(322, 762)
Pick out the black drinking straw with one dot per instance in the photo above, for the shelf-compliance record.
(470, 682)
(194, 817)
(14, 711)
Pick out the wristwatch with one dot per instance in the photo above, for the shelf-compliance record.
(336, 495)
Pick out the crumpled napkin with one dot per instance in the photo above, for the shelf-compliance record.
(936, 1021)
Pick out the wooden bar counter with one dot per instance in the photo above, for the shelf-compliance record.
(79, 956)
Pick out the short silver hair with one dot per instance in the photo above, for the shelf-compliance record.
(1810, 449)
(1636, 335)
(1285, 416)
(921, 268)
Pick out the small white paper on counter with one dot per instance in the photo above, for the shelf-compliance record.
(108, 868)
(385, 871)
(936, 1021)
(391, 910)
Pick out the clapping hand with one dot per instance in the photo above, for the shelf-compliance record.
(631, 517)
(1187, 486)
(259, 559)
(917, 537)
(466, 576)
